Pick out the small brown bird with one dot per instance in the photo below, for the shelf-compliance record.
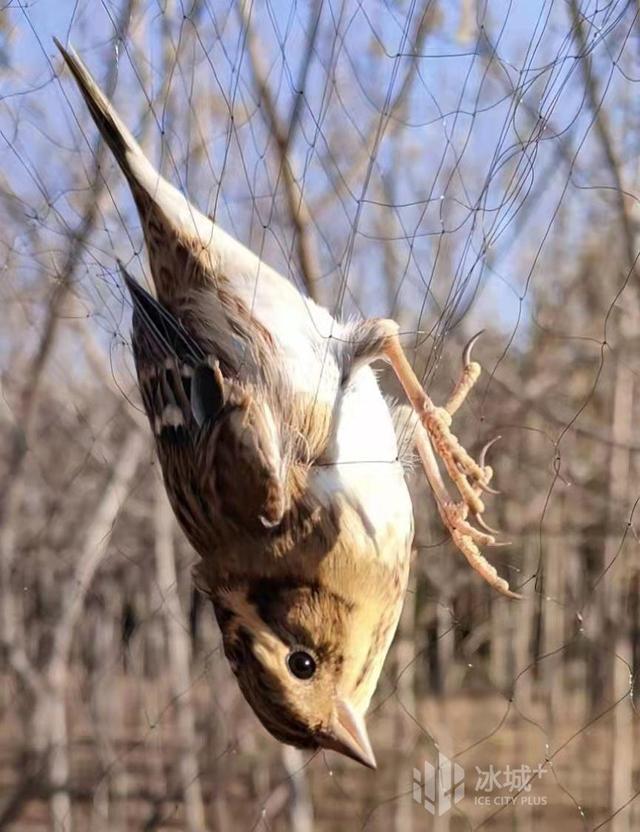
(281, 462)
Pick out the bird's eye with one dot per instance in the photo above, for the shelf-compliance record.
(301, 664)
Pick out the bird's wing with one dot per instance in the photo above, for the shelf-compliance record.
(217, 444)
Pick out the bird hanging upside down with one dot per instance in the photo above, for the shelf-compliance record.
(280, 460)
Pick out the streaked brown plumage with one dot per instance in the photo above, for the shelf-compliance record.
(280, 461)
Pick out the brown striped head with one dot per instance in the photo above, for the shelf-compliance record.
(301, 663)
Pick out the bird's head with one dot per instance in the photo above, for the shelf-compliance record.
(307, 660)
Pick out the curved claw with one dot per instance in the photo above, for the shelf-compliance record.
(482, 462)
(509, 593)
(485, 526)
(485, 448)
(487, 488)
(466, 352)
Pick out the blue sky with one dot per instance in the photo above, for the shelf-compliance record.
(474, 200)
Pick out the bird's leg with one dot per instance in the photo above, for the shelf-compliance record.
(454, 516)
(379, 339)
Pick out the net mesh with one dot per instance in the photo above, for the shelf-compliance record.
(455, 166)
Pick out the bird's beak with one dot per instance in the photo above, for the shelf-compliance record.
(348, 735)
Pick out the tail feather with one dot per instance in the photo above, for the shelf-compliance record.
(176, 233)
(112, 128)
(186, 249)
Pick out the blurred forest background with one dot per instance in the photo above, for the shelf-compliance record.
(455, 165)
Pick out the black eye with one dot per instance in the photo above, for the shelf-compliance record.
(301, 664)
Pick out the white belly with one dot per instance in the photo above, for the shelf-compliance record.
(363, 459)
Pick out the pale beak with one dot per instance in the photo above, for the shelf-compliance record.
(348, 735)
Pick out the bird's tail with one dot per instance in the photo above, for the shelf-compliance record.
(186, 249)
(174, 229)
(114, 131)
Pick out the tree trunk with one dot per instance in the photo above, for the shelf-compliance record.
(300, 803)
(622, 655)
(179, 649)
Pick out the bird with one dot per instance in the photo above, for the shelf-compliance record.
(280, 458)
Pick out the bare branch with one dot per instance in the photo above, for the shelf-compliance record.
(298, 210)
